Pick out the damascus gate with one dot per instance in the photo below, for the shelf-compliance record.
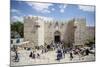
(50, 33)
(39, 31)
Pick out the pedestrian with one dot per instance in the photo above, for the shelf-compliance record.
(16, 57)
(71, 55)
(30, 54)
(33, 55)
(87, 51)
(64, 51)
(59, 54)
(42, 51)
(38, 55)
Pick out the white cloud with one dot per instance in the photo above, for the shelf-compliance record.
(16, 18)
(62, 8)
(40, 7)
(45, 11)
(52, 9)
(87, 8)
(15, 11)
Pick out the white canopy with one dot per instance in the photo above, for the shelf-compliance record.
(21, 43)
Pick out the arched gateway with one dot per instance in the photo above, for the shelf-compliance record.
(57, 36)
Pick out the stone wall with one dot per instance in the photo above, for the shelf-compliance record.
(30, 31)
(39, 31)
(90, 32)
(80, 31)
(51, 27)
(69, 33)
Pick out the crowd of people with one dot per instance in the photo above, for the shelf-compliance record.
(60, 52)
(81, 52)
(34, 55)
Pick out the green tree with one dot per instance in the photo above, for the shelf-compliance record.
(90, 42)
(17, 27)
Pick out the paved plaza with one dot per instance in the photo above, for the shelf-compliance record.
(46, 58)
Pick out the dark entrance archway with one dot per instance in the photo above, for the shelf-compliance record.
(57, 37)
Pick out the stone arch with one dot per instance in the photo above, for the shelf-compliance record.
(57, 36)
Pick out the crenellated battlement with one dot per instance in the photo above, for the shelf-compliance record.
(44, 19)
(30, 18)
(50, 20)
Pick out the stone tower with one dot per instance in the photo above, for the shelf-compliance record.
(80, 31)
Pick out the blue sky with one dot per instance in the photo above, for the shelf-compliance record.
(57, 11)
